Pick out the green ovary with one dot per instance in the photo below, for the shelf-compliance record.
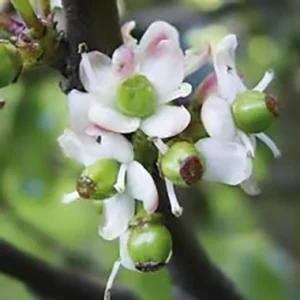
(251, 113)
(136, 97)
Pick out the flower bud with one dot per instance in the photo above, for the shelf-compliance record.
(97, 180)
(136, 97)
(149, 246)
(11, 63)
(182, 164)
(254, 111)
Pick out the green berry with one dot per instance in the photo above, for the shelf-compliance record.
(97, 180)
(149, 246)
(182, 164)
(11, 63)
(254, 111)
(136, 97)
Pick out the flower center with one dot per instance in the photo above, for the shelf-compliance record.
(254, 111)
(182, 164)
(136, 97)
(97, 180)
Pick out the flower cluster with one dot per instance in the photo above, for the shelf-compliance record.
(133, 94)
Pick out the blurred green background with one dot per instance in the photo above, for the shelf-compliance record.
(255, 241)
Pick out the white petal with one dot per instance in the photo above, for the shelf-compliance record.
(123, 61)
(217, 118)
(265, 81)
(118, 211)
(229, 81)
(269, 143)
(112, 120)
(246, 140)
(250, 187)
(164, 67)
(168, 121)
(78, 107)
(71, 197)
(85, 150)
(184, 90)
(175, 206)
(111, 279)
(157, 32)
(112, 145)
(126, 29)
(141, 186)
(195, 60)
(225, 162)
(126, 261)
(95, 72)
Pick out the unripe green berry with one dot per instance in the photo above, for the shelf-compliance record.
(182, 164)
(11, 63)
(254, 111)
(136, 97)
(97, 180)
(149, 246)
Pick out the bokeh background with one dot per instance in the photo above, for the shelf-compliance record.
(256, 241)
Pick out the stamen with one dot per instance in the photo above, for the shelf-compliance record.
(89, 70)
(175, 206)
(247, 142)
(71, 197)
(269, 143)
(111, 278)
(265, 81)
(120, 184)
(160, 145)
(183, 91)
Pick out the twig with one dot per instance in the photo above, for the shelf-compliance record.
(50, 282)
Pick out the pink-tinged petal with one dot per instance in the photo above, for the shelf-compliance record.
(85, 149)
(112, 145)
(229, 81)
(112, 120)
(118, 211)
(126, 260)
(141, 186)
(207, 88)
(168, 121)
(158, 31)
(78, 107)
(123, 62)
(96, 72)
(225, 162)
(194, 60)
(164, 67)
(250, 187)
(126, 29)
(184, 90)
(217, 118)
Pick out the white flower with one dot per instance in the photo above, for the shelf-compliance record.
(88, 144)
(223, 161)
(125, 261)
(216, 113)
(160, 63)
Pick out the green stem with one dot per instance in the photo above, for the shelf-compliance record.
(28, 15)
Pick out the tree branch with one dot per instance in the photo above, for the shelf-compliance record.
(50, 282)
(95, 23)
(193, 275)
